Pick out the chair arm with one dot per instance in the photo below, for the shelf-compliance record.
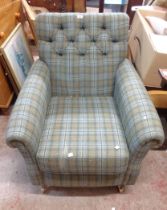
(139, 117)
(27, 119)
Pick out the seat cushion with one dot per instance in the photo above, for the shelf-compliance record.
(82, 135)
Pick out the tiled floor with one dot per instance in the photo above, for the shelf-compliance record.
(16, 191)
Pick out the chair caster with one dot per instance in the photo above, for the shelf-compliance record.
(121, 188)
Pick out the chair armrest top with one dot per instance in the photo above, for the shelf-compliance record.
(28, 115)
(139, 117)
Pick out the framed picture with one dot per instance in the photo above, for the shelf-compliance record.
(17, 55)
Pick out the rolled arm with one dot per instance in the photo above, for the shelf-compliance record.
(139, 118)
(27, 119)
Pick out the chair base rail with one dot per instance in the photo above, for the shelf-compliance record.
(45, 189)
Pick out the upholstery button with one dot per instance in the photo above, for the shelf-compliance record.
(103, 27)
(114, 40)
(61, 27)
(83, 27)
(82, 54)
(71, 40)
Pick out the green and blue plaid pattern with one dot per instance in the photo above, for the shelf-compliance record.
(27, 119)
(28, 116)
(82, 51)
(143, 129)
(83, 135)
(83, 117)
(78, 180)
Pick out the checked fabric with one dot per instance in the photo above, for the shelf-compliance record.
(83, 116)
(83, 135)
(82, 51)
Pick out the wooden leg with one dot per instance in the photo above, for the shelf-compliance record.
(44, 190)
(121, 188)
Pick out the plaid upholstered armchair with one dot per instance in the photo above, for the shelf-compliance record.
(83, 116)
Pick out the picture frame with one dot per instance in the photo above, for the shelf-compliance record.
(17, 55)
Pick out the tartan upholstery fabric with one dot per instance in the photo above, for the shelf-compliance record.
(31, 163)
(83, 135)
(78, 180)
(28, 116)
(143, 129)
(138, 115)
(82, 51)
(83, 117)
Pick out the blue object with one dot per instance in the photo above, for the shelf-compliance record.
(120, 2)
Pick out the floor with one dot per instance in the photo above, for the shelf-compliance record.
(17, 193)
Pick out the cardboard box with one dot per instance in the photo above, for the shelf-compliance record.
(148, 50)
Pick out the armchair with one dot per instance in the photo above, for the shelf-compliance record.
(83, 116)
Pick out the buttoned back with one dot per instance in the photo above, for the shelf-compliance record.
(82, 51)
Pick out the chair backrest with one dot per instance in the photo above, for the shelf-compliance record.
(82, 50)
